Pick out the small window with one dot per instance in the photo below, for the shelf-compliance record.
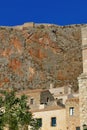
(48, 99)
(53, 121)
(61, 100)
(31, 101)
(84, 127)
(77, 128)
(39, 120)
(71, 111)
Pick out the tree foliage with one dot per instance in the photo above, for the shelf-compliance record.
(15, 113)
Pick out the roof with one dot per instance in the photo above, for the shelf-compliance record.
(51, 108)
(29, 91)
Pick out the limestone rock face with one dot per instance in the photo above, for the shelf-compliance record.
(38, 55)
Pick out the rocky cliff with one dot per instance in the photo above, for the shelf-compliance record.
(37, 55)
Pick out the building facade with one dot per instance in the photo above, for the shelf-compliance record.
(72, 114)
(53, 118)
(52, 113)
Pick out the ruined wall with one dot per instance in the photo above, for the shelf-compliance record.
(46, 97)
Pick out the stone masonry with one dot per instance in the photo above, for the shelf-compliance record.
(83, 82)
(72, 121)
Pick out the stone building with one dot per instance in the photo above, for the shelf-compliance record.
(63, 93)
(38, 99)
(52, 113)
(52, 118)
(57, 116)
(25, 26)
(82, 79)
(72, 114)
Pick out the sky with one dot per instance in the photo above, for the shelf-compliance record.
(60, 12)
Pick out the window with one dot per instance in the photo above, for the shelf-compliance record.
(77, 128)
(61, 100)
(71, 111)
(53, 121)
(84, 127)
(47, 99)
(61, 93)
(31, 101)
(39, 120)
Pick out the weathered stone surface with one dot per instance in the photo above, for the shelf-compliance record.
(82, 79)
(72, 121)
(83, 99)
(34, 56)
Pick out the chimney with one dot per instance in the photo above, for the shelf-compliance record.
(69, 89)
(51, 86)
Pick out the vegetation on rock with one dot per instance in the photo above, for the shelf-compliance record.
(35, 57)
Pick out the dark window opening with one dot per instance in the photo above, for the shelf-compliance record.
(84, 127)
(61, 100)
(47, 99)
(31, 101)
(77, 128)
(41, 103)
(39, 120)
(53, 121)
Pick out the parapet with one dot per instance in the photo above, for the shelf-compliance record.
(30, 24)
(72, 100)
(25, 25)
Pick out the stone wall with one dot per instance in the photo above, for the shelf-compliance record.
(32, 95)
(82, 79)
(40, 98)
(72, 121)
(46, 97)
(84, 49)
(83, 99)
(46, 119)
(25, 26)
